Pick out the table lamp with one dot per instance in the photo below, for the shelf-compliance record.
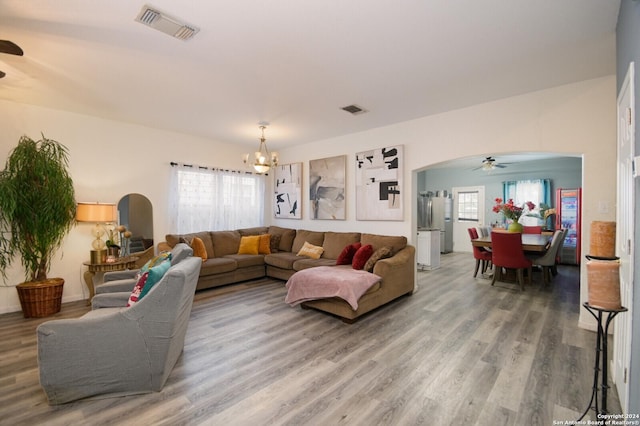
(99, 213)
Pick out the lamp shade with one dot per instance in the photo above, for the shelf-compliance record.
(96, 212)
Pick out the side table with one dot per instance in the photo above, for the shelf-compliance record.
(601, 357)
(120, 264)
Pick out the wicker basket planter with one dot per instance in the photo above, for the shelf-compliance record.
(40, 298)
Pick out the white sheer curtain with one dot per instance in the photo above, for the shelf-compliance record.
(203, 199)
(534, 190)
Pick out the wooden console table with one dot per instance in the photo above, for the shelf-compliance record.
(120, 264)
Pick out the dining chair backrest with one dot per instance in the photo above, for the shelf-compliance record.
(473, 233)
(532, 229)
(478, 252)
(549, 258)
(507, 250)
(564, 235)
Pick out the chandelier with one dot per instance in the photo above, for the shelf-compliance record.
(264, 159)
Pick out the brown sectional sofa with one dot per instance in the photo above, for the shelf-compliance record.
(225, 266)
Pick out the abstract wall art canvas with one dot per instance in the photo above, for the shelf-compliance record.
(327, 187)
(379, 184)
(288, 191)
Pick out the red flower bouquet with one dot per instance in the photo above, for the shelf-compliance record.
(510, 210)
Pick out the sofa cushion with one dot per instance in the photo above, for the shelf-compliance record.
(155, 275)
(334, 242)
(225, 242)
(312, 237)
(283, 260)
(156, 260)
(362, 255)
(274, 243)
(246, 260)
(137, 289)
(258, 230)
(199, 250)
(287, 235)
(378, 241)
(346, 256)
(264, 244)
(249, 244)
(205, 236)
(305, 263)
(381, 253)
(309, 250)
(218, 265)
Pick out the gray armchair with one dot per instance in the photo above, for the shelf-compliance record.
(120, 281)
(119, 351)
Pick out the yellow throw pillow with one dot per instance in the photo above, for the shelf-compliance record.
(264, 245)
(199, 249)
(309, 250)
(249, 245)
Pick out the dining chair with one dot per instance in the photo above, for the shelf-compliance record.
(548, 260)
(507, 253)
(482, 257)
(532, 229)
(554, 268)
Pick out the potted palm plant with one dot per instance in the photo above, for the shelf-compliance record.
(37, 210)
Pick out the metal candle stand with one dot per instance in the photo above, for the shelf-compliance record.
(601, 357)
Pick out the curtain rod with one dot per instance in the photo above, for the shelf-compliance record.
(214, 169)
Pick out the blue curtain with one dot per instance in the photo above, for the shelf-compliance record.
(535, 190)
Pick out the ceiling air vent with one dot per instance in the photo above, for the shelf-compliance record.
(167, 24)
(354, 109)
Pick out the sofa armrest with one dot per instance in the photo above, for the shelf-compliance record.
(163, 246)
(119, 275)
(398, 270)
(110, 300)
(116, 286)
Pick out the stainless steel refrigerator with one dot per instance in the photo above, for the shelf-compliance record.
(435, 211)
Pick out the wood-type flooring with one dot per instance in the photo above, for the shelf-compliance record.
(456, 352)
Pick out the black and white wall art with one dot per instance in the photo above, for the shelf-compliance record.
(379, 184)
(327, 187)
(288, 191)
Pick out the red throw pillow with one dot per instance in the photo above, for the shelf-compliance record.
(362, 255)
(137, 289)
(346, 255)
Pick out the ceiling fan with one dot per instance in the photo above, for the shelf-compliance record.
(490, 163)
(10, 48)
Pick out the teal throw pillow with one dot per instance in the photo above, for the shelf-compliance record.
(157, 260)
(155, 274)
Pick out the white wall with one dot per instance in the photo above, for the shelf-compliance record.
(107, 161)
(573, 119)
(110, 159)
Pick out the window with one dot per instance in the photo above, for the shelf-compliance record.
(212, 200)
(535, 190)
(521, 191)
(468, 206)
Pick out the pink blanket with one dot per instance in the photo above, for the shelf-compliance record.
(329, 281)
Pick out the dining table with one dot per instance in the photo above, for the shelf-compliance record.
(530, 242)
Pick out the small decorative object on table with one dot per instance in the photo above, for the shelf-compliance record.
(125, 242)
(512, 212)
(113, 249)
